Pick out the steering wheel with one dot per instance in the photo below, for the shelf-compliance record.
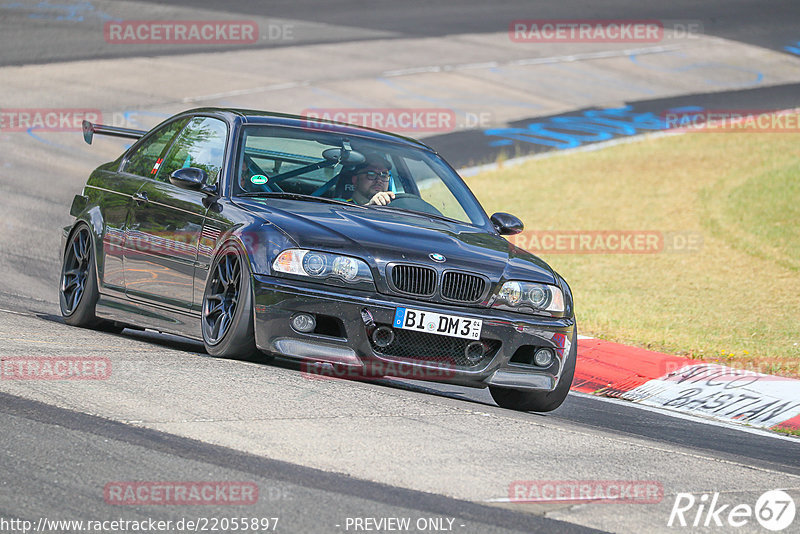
(410, 201)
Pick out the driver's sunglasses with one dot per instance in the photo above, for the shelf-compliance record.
(372, 176)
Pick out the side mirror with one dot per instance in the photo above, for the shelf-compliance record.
(506, 224)
(193, 179)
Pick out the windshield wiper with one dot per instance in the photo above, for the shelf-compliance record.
(294, 196)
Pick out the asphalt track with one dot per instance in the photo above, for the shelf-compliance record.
(38, 436)
(326, 450)
(52, 31)
(340, 448)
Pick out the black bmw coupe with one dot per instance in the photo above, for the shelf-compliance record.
(340, 246)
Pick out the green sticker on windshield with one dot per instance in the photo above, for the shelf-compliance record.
(258, 179)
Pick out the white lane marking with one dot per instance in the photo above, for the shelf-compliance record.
(606, 499)
(15, 312)
(532, 61)
(448, 68)
(250, 91)
(688, 417)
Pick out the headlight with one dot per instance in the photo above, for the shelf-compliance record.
(511, 293)
(529, 297)
(314, 264)
(322, 266)
(346, 268)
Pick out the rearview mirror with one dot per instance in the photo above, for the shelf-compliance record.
(345, 156)
(506, 224)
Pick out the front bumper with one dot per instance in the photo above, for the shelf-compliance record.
(277, 300)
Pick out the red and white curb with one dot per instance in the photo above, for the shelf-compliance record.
(689, 386)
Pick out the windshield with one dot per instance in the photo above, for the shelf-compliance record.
(332, 165)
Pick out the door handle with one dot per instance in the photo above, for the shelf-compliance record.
(140, 197)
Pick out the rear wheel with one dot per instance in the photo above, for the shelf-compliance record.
(540, 401)
(227, 313)
(78, 289)
(78, 292)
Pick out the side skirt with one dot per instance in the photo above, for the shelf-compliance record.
(134, 313)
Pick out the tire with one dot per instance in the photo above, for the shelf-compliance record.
(227, 308)
(540, 401)
(77, 293)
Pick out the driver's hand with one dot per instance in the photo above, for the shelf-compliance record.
(381, 198)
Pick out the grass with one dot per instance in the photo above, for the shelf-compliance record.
(736, 300)
(788, 431)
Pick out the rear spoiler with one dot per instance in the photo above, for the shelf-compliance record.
(90, 129)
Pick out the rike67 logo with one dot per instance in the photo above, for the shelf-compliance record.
(774, 510)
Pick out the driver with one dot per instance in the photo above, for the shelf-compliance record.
(371, 181)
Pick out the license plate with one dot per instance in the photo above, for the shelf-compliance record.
(437, 323)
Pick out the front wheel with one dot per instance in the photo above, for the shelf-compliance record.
(540, 401)
(227, 313)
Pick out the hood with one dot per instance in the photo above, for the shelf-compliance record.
(383, 235)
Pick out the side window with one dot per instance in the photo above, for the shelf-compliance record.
(201, 144)
(143, 161)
